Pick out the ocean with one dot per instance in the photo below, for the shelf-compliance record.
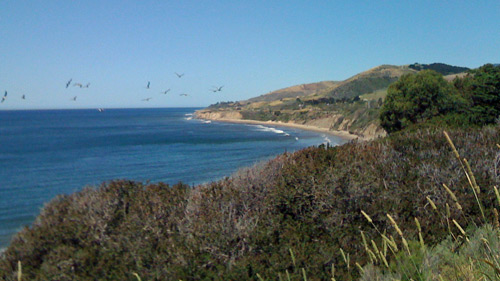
(44, 153)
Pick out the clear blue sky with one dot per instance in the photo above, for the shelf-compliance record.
(250, 47)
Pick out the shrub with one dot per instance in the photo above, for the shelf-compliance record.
(416, 98)
(482, 88)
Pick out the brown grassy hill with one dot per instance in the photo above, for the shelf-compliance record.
(375, 79)
(451, 77)
(293, 92)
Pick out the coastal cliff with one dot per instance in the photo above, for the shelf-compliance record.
(337, 124)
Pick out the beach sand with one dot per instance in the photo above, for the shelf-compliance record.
(341, 134)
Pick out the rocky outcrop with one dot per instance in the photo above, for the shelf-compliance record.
(372, 131)
(218, 115)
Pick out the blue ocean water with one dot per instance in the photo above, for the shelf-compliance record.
(44, 153)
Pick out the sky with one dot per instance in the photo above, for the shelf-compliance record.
(248, 47)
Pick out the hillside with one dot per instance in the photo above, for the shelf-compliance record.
(370, 81)
(366, 82)
(293, 92)
(451, 77)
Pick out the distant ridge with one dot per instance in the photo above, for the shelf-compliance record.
(370, 81)
(366, 82)
(442, 68)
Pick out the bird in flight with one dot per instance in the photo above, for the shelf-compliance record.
(149, 83)
(147, 99)
(86, 86)
(179, 75)
(69, 82)
(77, 85)
(216, 89)
(185, 95)
(4, 96)
(74, 98)
(165, 92)
(23, 97)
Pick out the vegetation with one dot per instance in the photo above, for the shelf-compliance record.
(473, 100)
(482, 90)
(464, 255)
(442, 68)
(361, 86)
(417, 98)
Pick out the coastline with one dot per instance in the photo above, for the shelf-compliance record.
(341, 134)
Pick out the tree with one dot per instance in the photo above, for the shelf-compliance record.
(416, 98)
(483, 90)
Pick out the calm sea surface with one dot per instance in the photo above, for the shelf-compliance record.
(49, 152)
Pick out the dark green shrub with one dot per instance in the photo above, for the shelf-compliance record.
(482, 88)
(417, 98)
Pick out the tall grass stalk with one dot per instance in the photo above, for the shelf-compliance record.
(19, 271)
(304, 274)
(293, 256)
(468, 173)
(420, 237)
(137, 276)
(333, 272)
(497, 194)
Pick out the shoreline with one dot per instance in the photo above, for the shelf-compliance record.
(341, 134)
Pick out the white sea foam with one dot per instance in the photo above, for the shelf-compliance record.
(206, 121)
(188, 114)
(189, 118)
(326, 139)
(270, 129)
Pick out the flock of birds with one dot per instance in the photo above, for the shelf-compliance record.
(214, 88)
(77, 84)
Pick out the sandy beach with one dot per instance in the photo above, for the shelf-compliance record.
(341, 134)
